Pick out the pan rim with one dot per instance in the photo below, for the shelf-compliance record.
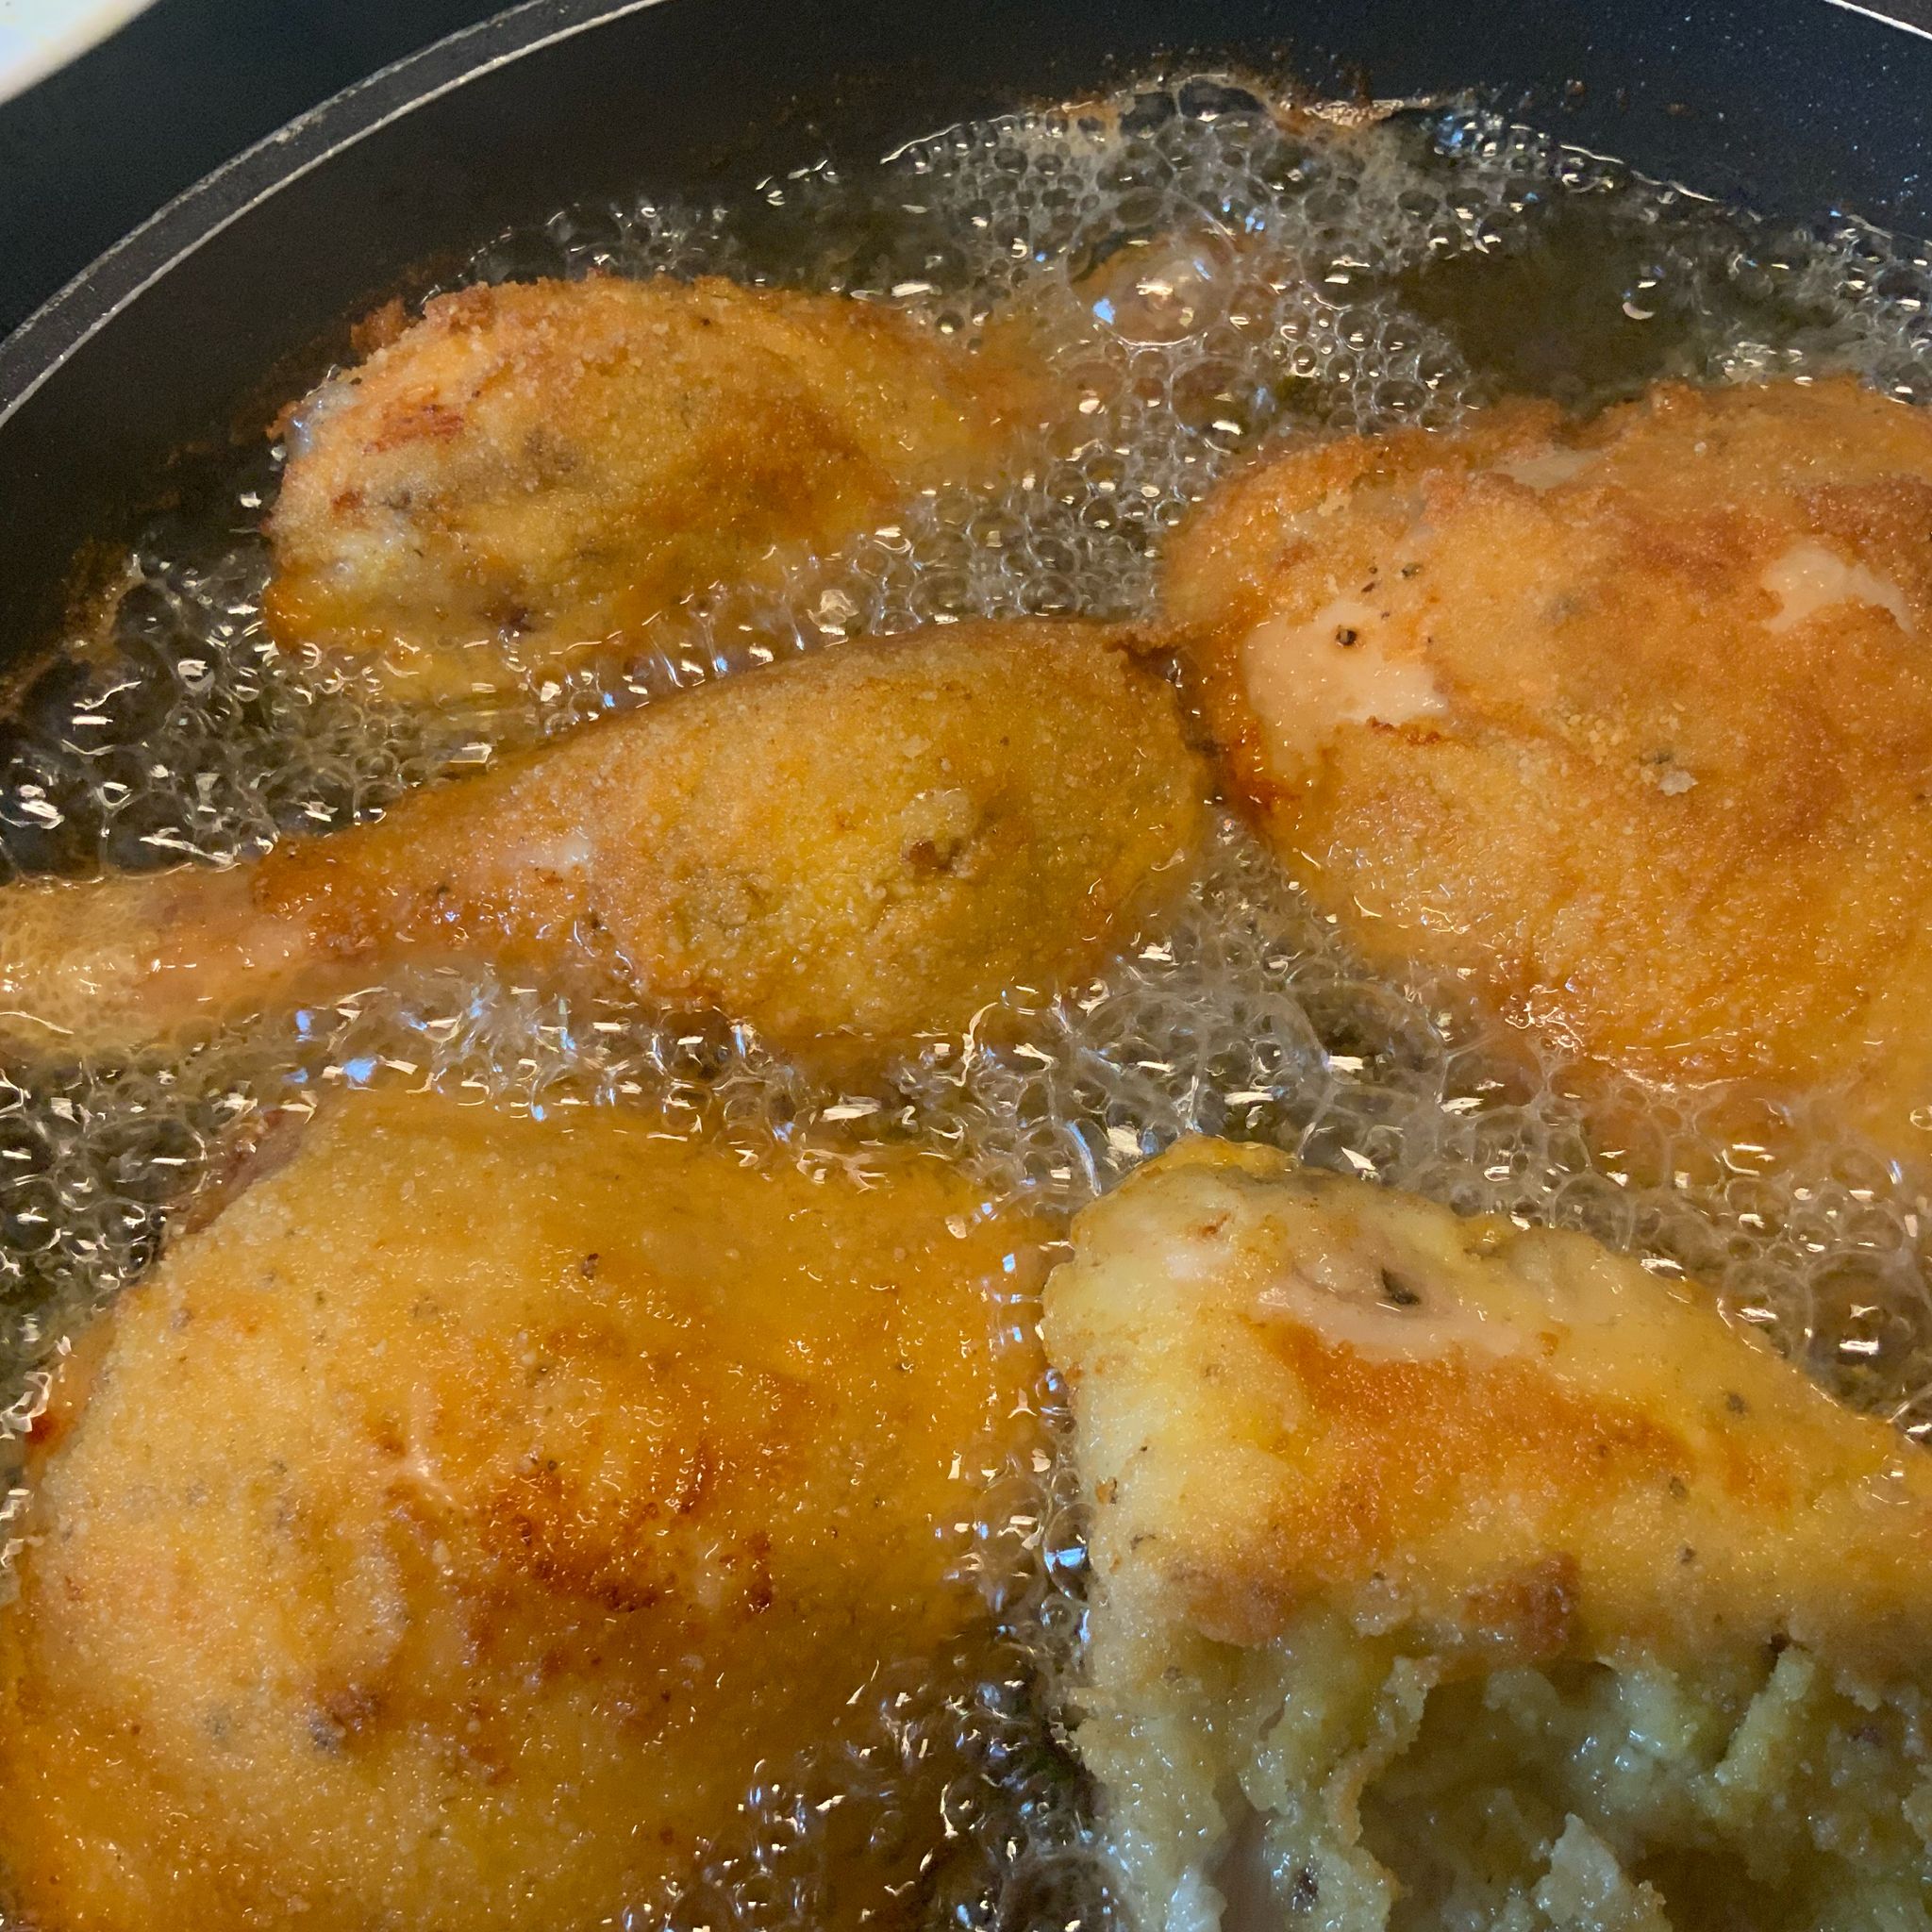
(116, 279)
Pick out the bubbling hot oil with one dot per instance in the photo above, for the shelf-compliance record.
(1206, 270)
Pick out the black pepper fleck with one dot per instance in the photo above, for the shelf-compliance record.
(1397, 1292)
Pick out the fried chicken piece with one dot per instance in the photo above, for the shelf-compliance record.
(854, 848)
(1626, 724)
(1448, 1575)
(452, 1532)
(531, 473)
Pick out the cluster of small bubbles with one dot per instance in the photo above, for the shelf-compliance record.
(997, 1821)
(1245, 1016)
(1201, 269)
(95, 1164)
(637, 238)
(1006, 1854)
(1014, 1844)
(180, 734)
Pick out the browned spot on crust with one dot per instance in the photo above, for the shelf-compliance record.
(1529, 1614)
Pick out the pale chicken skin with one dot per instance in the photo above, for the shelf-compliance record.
(847, 851)
(396, 1563)
(1448, 1573)
(1626, 724)
(524, 477)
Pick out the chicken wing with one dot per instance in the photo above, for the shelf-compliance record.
(529, 473)
(858, 847)
(453, 1532)
(1446, 1574)
(1626, 724)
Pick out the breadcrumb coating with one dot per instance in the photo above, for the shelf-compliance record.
(1624, 723)
(1446, 1572)
(848, 851)
(453, 1530)
(524, 477)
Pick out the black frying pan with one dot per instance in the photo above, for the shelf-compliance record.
(185, 334)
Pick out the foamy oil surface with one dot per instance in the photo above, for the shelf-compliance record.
(1207, 269)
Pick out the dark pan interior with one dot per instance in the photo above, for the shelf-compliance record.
(241, 291)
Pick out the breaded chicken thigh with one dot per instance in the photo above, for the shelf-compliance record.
(1627, 723)
(529, 473)
(1447, 1575)
(452, 1533)
(848, 850)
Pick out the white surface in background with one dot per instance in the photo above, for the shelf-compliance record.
(37, 36)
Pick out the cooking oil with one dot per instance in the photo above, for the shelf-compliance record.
(1208, 269)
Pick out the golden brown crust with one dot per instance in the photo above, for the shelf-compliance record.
(443, 1535)
(848, 851)
(531, 473)
(1627, 723)
(924, 823)
(1444, 1573)
(1294, 1391)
